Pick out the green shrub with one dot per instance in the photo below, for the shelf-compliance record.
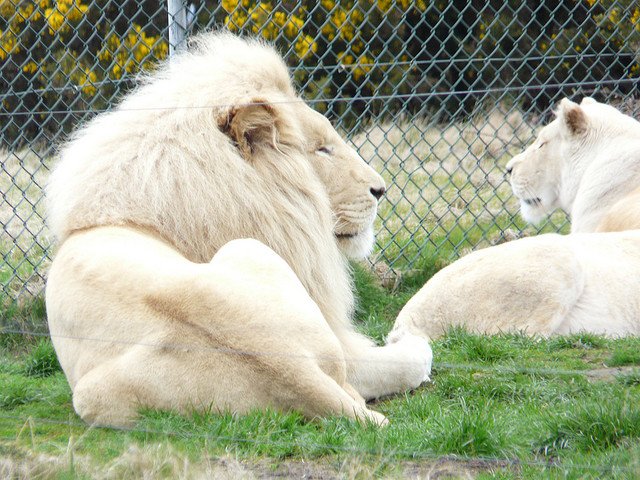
(42, 360)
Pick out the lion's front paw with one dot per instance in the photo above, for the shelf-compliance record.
(419, 358)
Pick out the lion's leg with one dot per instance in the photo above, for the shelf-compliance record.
(247, 337)
(396, 367)
(323, 396)
(151, 377)
(104, 397)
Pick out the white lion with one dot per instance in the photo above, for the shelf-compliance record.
(587, 161)
(155, 300)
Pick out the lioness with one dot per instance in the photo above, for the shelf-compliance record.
(587, 161)
(154, 300)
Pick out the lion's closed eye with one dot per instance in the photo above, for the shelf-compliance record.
(325, 150)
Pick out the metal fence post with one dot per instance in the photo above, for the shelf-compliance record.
(177, 25)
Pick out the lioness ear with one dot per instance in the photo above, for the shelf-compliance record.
(251, 126)
(573, 117)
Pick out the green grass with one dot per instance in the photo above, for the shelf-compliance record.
(22, 322)
(506, 406)
(624, 354)
(41, 360)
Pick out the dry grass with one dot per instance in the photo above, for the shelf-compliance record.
(152, 461)
(164, 461)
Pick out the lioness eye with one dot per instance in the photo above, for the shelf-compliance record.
(542, 145)
(325, 150)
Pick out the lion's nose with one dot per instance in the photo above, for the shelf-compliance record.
(508, 170)
(377, 192)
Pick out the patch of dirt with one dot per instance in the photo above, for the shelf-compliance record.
(389, 278)
(447, 468)
(610, 374)
(506, 235)
(444, 468)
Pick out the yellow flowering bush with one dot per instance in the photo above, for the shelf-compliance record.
(260, 18)
(566, 44)
(131, 53)
(333, 32)
(619, 22)
(66, 54)
(62, 15)
(76, 54)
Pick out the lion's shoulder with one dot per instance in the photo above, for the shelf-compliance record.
(623, 215)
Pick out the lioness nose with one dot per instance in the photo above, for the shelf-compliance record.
(510, 164)
(509, 167)
(377, 192)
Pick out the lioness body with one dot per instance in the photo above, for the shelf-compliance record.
(623, 215)
(549, 284)
(586, 161)
(215, 147)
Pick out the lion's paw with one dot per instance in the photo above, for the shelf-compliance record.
(420, 357)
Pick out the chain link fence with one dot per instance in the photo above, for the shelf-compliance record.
(435, 95)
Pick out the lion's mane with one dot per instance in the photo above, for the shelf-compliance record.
(161, 161)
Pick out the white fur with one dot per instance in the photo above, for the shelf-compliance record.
(586, 172)
(544, 285)
(213, 148)
(586, 161)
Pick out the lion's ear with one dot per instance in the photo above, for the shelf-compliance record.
(573, 117)
(251, 126)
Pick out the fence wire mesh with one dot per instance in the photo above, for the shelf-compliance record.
(435, 95)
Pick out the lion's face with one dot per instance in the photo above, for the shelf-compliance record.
(354, 188)
(535, 173)
(538, 175)
(289, 126)
(581, 161)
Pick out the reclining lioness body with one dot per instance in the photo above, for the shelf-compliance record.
(204, 225)
(550, 284)
(587, 161)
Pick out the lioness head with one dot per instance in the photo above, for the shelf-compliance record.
(546, 175)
